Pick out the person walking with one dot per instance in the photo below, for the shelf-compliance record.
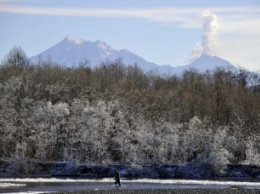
(117, 178)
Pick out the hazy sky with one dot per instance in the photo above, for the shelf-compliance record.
(161, 31)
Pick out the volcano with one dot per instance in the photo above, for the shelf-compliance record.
(71, 51)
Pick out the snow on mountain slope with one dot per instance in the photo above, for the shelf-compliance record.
(205, 63)
(129, 58)
(71, 51)
(210, 63)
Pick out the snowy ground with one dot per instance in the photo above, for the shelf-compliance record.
(47, 185)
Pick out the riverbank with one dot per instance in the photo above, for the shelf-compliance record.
(142, 186)
(172, 191)
(11, 168)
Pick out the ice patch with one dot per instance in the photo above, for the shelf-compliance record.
(53, 180)
(196, 182)
(6, 185)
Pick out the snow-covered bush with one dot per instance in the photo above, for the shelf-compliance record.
(252, 153)
(219, 156)
(195, 141)
(218, 159)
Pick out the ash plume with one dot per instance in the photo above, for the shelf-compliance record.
(209, 38)
(208, 43)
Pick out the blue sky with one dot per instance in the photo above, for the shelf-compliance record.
(161, 31)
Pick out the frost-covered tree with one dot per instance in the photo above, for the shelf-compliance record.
(114, 114)
(16, 57)
(252, 153)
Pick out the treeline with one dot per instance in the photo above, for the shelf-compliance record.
(118, 114)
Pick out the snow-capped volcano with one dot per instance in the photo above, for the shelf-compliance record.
(71, 51)
(210, 63)
(206, 63)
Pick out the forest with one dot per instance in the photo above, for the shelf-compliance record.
(116, 114)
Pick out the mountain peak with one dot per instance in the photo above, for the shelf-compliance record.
(208, 62)
(102, 45)
(73, 40)
(71, 51)
(207, 56)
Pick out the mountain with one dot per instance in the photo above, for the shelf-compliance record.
(205, 63)
(71, 51)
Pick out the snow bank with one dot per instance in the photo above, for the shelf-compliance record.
(6, 185)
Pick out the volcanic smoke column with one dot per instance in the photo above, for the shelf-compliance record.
(208, 44)
(209, 38)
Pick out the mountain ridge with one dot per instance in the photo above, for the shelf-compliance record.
(71, 51)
